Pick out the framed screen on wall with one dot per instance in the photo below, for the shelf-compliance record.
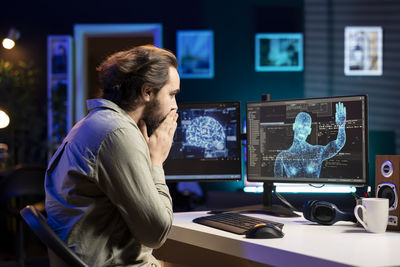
(195, 54)
(278, 52)
(363, 51)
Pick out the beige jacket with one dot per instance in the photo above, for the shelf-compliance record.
(104, 197)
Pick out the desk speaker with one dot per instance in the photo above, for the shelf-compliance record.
(387, 181)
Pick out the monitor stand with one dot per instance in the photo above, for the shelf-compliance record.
(267, 207)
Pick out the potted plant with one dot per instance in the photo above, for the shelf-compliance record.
(20, 98)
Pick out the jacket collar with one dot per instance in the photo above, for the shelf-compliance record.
(100, 103)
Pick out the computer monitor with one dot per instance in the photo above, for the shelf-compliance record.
(207, 143)
(312, 141)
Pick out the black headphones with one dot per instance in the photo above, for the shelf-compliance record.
(326, 213)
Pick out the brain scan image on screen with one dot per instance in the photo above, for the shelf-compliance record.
(206, 132)
(303, 159)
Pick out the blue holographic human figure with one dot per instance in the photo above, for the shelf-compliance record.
(303, 159)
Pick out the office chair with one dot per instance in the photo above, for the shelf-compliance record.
(21, 185)
(37, 222)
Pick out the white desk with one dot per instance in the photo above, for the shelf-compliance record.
(304, 244)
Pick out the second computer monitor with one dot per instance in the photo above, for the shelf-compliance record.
(207, 144)
(315, 140)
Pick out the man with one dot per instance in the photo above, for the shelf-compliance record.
(303, 159)
(106, 195)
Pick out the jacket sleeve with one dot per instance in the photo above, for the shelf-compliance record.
(136, 187)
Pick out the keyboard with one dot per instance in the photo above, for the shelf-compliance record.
(233, 222)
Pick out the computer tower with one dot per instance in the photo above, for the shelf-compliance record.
(387, 182)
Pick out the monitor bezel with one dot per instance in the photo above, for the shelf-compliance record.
(362, 182)
(224, 177)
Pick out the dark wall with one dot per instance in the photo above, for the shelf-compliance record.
(234, 24)
(325, 22)
(234, 27)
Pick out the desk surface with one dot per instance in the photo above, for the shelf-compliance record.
(304, 244)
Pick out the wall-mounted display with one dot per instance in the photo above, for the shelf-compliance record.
(59, 89)
(94, 43)
(195, 54)
(363, 51)
(279, 52)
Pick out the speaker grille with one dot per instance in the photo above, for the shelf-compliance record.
(388, 190)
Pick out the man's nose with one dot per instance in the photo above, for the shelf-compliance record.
(174, 105)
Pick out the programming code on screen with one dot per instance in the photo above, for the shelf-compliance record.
(315, 140)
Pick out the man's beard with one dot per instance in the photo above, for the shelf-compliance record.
(151, 116)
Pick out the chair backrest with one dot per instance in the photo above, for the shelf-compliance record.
(37, 222)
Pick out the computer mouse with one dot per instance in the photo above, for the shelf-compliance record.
(263, 230)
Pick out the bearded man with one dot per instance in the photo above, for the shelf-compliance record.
(106, 194)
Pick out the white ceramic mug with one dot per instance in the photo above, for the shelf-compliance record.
(375, 213)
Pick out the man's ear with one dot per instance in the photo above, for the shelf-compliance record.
(146, 92)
